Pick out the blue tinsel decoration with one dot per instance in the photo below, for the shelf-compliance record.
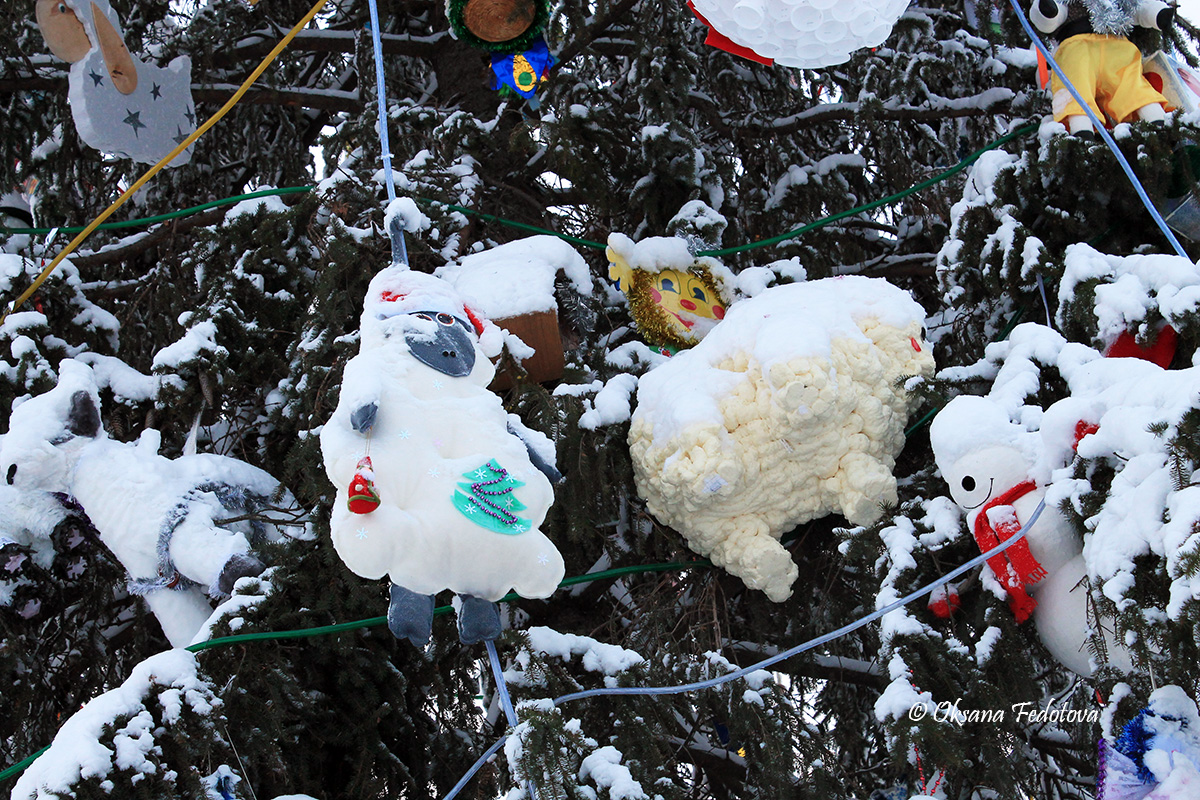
(1134, 741)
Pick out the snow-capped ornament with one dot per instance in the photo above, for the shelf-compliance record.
(1157, 755)
(462, 486)
(120, 104)
(674, 297)
(168, 521)
(515, 285)
(810, 34)
(501, 26)
(944, 601)
(987, 460)
(787, 411)
(1100, 63)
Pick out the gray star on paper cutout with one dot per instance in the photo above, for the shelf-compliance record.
(97, 78)
(156, 92)
(134, 120)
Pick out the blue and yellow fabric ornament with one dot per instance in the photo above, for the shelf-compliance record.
(522, 72)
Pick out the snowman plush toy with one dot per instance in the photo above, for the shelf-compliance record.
(438, 487)
(991, 467)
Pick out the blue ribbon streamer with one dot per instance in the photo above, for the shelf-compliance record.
(506, 704)
(785, 655)
(399, 250)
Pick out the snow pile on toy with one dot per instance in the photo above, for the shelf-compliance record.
(171, 523)
(517, 277)
(789, 410)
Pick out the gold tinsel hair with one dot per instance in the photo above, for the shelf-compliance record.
(655, 323)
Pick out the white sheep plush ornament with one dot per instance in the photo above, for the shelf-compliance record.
(438, 487)
(787, 411)
(183, 528)
(992, 467)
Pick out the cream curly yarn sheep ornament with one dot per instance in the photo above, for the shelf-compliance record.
(788, 410)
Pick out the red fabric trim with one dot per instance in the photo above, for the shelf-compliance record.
(1083, 428)
(476, 320)
(722, 42)
(1162, 352)
(1016, 567)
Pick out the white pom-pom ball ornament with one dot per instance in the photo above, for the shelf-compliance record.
(808, 34)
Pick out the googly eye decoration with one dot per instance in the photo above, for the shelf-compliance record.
(808, 34)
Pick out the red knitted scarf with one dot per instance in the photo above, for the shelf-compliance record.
(1016, 567)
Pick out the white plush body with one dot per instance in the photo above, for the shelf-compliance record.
(787, 411)
(128, 490)
(976, 445)
(430, 430)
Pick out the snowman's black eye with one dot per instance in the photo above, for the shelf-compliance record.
(968, 483)
(12, 473)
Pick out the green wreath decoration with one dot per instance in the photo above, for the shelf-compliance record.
(501, 26)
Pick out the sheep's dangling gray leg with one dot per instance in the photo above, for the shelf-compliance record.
(478, 620)
(239, 565)
(410, 616)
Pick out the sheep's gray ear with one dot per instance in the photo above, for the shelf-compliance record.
(84, 418)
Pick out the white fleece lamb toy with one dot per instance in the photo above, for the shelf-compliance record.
(438, 487)
(166, 520)
(787, 411)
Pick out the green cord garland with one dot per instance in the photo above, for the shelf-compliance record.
(925, 184)
(326, 630)
(20, 766)
(774, 240)
(134, 223)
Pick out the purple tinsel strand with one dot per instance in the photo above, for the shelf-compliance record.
(493, 511)
(1102, 771)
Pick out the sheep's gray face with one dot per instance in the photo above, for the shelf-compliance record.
(447, 346)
